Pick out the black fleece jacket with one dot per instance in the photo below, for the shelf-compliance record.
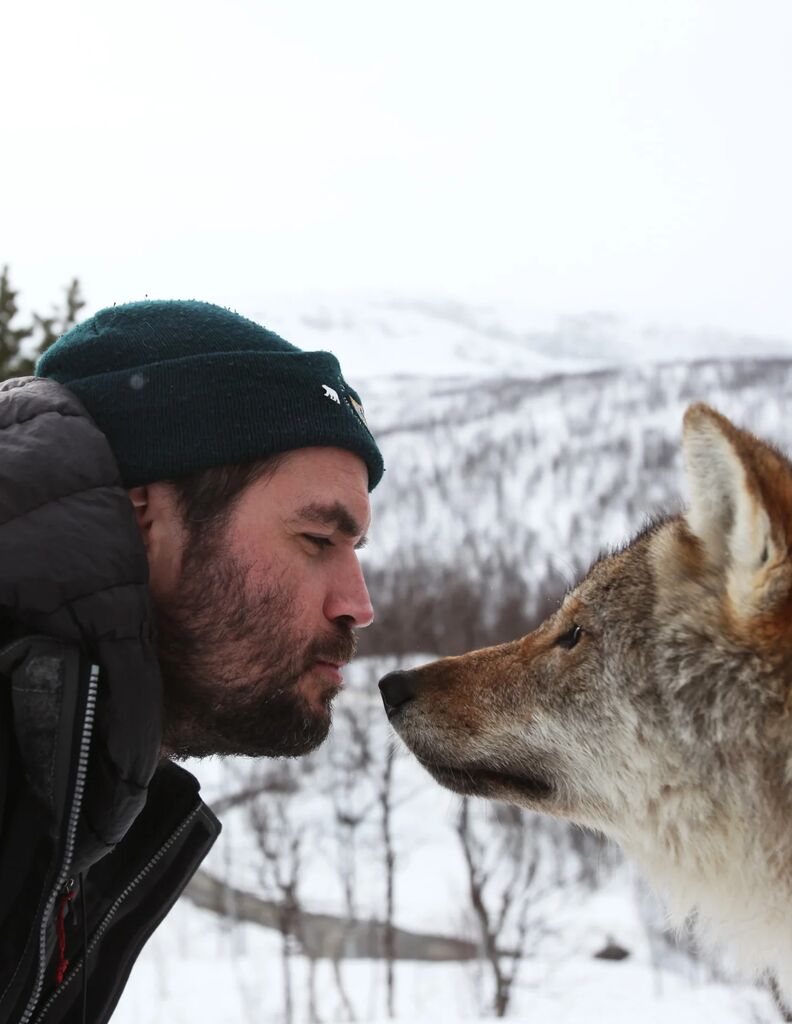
(91, 823)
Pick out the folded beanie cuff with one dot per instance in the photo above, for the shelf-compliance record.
(258, 404)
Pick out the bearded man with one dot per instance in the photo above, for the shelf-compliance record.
(182, 497)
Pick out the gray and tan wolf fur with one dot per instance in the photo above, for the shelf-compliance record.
(655, 704)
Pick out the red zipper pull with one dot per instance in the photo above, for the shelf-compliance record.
(60, 928)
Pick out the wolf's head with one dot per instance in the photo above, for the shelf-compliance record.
(656, 703)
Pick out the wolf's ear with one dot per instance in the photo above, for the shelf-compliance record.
(740, 509)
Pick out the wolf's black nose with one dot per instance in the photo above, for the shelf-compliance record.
(396, 689)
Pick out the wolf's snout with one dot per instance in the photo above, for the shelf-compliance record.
(397, 688)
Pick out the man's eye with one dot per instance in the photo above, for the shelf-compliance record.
(570, 639)
(318, 540)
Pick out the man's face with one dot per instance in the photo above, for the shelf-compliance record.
(255, 619)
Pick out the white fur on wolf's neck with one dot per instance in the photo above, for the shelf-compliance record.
(716, 873)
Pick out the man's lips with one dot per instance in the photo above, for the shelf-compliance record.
(331, 669)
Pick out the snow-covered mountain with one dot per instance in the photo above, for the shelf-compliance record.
(392, 335)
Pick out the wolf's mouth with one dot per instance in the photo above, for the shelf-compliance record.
(484, 782)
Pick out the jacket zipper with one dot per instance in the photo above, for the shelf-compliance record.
(102, 928)
(71, 834)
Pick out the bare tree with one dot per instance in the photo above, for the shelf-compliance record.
(389, 857)
(280, 840)
(784, 1011)
(506, 887)
(351, 761)
(350, 791)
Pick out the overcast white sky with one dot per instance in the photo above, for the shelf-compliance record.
(616, 155)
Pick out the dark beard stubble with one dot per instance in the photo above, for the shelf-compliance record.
(231, 660)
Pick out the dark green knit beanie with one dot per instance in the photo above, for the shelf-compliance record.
(179, 387)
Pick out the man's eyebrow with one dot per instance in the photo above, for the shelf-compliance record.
(334, 514)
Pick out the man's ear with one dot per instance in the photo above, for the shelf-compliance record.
(740, 509)
(162, 530)
(139, 496)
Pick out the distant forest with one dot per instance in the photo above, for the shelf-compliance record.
(23, 341)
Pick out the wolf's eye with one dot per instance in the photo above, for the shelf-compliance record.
(570, 639)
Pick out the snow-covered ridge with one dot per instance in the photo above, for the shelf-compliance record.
(389, 335)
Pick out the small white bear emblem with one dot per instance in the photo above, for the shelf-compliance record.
(329, 393)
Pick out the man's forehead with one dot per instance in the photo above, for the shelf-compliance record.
(326, 476)
(330, 469)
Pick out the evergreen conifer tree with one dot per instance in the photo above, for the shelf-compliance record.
(11, 336)
(21, 345)
(59, 321)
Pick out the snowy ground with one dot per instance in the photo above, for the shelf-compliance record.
(198, 969)
(194, 971)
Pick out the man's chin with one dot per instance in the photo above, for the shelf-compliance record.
(288, 729)
(286, 745)
(301, 739)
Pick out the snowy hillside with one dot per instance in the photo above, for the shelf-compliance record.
(391, 335)
(499, 490)
(507, 488)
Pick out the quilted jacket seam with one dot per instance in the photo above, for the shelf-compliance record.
(45, 412)
(59, 498)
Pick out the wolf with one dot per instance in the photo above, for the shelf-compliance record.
(655, 704)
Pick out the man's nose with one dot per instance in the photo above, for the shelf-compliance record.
(350, 599)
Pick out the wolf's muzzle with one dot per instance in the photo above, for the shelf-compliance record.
(397, 688)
